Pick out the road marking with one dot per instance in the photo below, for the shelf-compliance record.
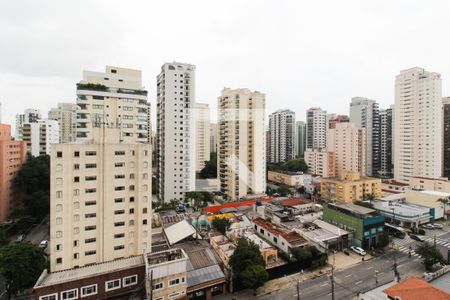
(369, 268)
(325, 284)
(346, 276)
(358, 282)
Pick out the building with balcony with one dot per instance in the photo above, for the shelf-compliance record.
(30, 115)
(364, 225)
(386, 166)
(418, 125)
(241, 149)
(115, 98)
(316, 128)
(100, 205)
(12, 156)
(39, 136)
(202, 135)
(320, 162)
(282, 130)
(176, 141)
(66, 116)
(349, 187)
(300, 138)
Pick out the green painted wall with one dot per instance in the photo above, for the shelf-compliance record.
(344, 221)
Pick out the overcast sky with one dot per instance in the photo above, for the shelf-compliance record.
(299, 53)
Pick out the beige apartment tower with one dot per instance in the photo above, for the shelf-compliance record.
(66, 116)
(241, 146)
(417, 125)
(202, 135)
(347, 142)
(100, 203)
(115, 98)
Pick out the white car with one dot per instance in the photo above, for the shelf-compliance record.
(43, 244)
(358, 250)
(437, 226)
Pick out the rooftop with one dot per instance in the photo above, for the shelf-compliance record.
(178, 232)
(294, 238)
(275, 230)
(394, 182)
(353, 208)
(217, 208)
(416, 289)
(294, 202)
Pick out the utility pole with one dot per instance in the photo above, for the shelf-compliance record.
(151, 284)
(332, 276)
(376, 277)
(434, 240)
(298, 289)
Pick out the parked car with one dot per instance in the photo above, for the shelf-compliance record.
(437, 226)
(417, 237)
(43, 244)
(358, 250)
(20, 238)
(428, 226)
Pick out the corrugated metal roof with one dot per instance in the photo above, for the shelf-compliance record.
(178, 232)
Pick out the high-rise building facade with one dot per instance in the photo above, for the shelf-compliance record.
(417, 125)
(66, 116)
(365, 113)
(282, 131)
(115, 98)
(100, 201)
(347, 142)
(30, 115)
(175, 131)
(320, 162)
(40, 136)
(386, 118)
(337, 119)
(300, 138)
(316, 128)
(213, 137)
(446, 133)
(241, 148)
(202, 135)
(12, 156)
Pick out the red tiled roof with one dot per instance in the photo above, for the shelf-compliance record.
(393, 182)
(216, 209)
(416, 289)
(275, 230)
(390, 191)
(294, 238)
(294, 201)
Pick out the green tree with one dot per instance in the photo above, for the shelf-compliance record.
(283, 190)
(302, 254)
(295, 165)
(221, 225)
(34, 175)
(444, 201)
(244, 262)
(21, 265)
(210, 169)
(254, 276)
(37, 204)
(370, 198)
(430, 255)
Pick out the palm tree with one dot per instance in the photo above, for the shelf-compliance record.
(444, 201)
(370, 198)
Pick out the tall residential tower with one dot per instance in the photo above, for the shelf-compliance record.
(282, 130)
(316, 128)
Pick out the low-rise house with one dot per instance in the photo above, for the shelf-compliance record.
(282, 238)
(395, 209)
(298, 205)
(390, 186)
(293, 179)
(429, 199)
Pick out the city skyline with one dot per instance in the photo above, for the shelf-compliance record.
(303, 51)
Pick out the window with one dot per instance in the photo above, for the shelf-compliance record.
(117, 224)
(59, 154)
(90, 178)
(58, 221)
(59, 207)
(90, 191)
(59, 234)
(112, 285)
(76, 192)
(119, 200)
(76, 166)
(49, 297)
(176, 281)
(119, 235)
(91, 240)
(88, 253)
(90, 153)
(119, 188)
(119, 212)
(89, 228)
(90, 203)
(91, 166)
(120, 247)
(130, 280)
(71, 294)
(59, 194)
(58, 247)
(120, 176)
(89, 290)
(59, 168)
(91, 215)
(76, 153)
(120, 164)
(59, 181)
(119, 153)
(158, 285)
(59, 260)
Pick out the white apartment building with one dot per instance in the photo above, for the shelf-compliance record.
(100, 201)
(202, 135)
(242, 147)
(66, 116)
(386, 121)
(320, 162)
(365, 113)
(347, 142)
(30, 115)
(417, 125)
(213, 137)
(282, 135)
(316, 128)
(40, 136)
(116, 98)
(176, 154)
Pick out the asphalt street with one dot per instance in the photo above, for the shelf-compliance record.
(349, 282)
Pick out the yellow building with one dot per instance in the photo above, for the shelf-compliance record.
(349, 187)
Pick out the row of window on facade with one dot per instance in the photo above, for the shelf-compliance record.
(59, 154)
(59, 167)
(91, 290)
